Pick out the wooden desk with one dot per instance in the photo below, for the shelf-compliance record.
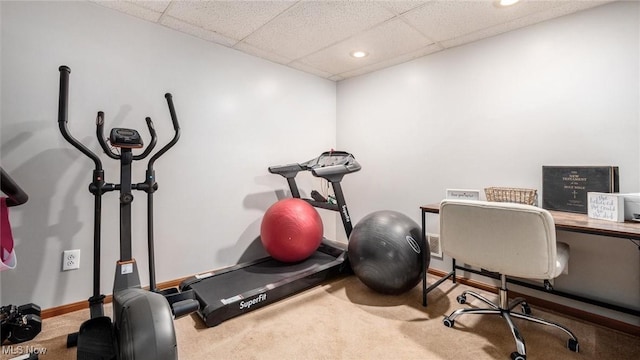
(580, 223)
(564, 221)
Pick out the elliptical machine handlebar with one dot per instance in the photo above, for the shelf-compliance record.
(63, 111)
(100, 136)
(172, 111)
(176, 136)
(154, 140)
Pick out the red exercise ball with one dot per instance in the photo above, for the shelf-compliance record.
(291, 230)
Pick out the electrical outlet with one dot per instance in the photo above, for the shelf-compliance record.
(71, 260)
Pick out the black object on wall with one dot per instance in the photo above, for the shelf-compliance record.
(16, 196)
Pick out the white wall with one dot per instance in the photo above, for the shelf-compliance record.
(492, 113)
(238, 114)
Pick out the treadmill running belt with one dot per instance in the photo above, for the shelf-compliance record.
(270, 271)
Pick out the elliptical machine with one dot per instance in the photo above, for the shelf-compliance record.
(142, 326)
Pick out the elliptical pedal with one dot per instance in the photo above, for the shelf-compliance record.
(96, 340)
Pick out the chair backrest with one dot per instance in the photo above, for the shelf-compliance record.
(508, 238)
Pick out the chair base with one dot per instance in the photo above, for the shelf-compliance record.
(504, 309)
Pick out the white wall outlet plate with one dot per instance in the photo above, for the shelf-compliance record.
(70, 259)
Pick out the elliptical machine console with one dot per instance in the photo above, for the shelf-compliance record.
(125, 138)
(142, 326)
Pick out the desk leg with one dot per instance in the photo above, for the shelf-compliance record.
(424, 267)
(452, 274)
(453, 270)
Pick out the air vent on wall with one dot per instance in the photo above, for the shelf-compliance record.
(434, 245)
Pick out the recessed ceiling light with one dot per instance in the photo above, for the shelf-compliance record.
(507, 2)
(359, 54)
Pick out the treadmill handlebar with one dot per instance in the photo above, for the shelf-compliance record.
(328, 171)
(288, 171)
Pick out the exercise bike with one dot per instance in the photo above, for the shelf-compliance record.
(142, 326)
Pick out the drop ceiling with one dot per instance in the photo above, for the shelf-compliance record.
(317, 37)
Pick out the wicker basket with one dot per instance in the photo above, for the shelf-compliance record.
(515, 195)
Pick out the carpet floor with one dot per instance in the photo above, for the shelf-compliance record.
(343, 319)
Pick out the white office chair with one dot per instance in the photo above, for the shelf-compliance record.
(511, 240)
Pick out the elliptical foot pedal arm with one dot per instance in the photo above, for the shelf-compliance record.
(184, 307)
(181, 303)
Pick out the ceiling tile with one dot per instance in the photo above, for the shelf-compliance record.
(185, 27)
(564, 8)
(336, 78)
(310, 69)
(391, 39)
(252, 50)
(155, 5)
(444, 20)
(234, 19)
(429, 49)
(312, 25)
(399, 7)
(140, 9)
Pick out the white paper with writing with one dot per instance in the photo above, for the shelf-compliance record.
(605, 206)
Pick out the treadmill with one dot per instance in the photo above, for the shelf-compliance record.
(237, 289)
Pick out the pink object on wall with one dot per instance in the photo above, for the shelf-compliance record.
(7, 254)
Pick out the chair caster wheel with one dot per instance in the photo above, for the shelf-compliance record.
(526, 309)
(462, 299)
(573, 345)
(517, 356)
(448, 322)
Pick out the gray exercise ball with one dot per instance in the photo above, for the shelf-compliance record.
(386, 251)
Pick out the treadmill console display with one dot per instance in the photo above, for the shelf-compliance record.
(330, 158)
